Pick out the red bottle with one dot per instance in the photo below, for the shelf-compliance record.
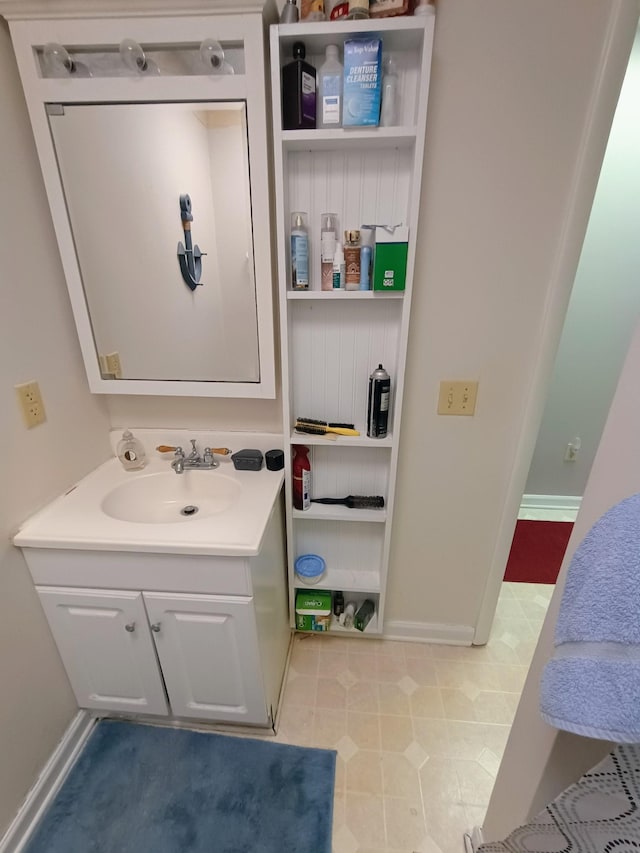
(301, 477)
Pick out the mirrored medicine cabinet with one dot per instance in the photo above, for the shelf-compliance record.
(155, 164)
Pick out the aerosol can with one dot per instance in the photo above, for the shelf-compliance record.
(378, 406)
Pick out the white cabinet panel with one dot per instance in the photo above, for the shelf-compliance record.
(106, 647)
(208, 650)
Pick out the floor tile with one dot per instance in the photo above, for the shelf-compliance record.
(365, 818)
(419, 730)
(364, 772)
(404, 821)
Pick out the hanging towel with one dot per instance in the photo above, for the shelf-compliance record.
(591, 686)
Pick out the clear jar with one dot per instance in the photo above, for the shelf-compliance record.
(358, 9)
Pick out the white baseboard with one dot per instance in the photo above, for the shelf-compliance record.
(566, 503)
(429, 632)
(48, 783)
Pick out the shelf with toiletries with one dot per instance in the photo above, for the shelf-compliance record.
(354, 191)
(375, 295)
(362, 440)
(327, 139)
(323, 610)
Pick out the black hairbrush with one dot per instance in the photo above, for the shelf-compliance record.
(354, 501)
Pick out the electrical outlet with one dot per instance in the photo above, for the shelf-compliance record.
(457, 397)
(31, 404)
(112, 361)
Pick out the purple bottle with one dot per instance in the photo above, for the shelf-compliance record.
(298, 92)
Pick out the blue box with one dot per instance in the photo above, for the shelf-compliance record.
(362, 82)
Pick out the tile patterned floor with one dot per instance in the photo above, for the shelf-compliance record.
(419, 729)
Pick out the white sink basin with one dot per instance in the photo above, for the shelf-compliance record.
(168, 497)
(140, 511)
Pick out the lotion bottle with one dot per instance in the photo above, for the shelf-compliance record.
(131, 452)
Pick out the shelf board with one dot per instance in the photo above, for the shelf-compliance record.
(372, 628)
(340, 295)
(346, 580)
(340, 440)
(334, 512)
(397, 32)
(371, 137)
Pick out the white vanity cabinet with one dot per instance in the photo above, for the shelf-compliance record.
(118, 647)
(186, 636)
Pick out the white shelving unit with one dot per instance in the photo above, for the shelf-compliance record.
(332, 341)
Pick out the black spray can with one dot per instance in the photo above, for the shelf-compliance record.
(378, 406)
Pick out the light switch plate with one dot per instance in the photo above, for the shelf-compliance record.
(31, 404)
(457, 397)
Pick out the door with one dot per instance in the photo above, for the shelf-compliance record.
(208, 650)
(104, 639)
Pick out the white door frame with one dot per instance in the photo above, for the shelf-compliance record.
(623, 21)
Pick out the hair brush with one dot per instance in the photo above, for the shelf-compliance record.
(314, 427)
(354, 501)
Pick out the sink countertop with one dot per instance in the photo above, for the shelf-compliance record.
(75, 520)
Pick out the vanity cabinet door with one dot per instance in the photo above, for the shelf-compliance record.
(208, 650)
(106, 647)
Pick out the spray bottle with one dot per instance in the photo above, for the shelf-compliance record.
(378, 405)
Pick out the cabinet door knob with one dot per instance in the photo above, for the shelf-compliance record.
(131, 627)
(155, 627)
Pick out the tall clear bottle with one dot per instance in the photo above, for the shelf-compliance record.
(299, 252)
(327, 249)
(329, 112)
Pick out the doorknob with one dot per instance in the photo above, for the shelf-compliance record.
(155, 627)
(131, 627)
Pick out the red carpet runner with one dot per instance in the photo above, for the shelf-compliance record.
(537, 551)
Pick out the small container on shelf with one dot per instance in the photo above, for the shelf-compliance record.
(313, 610)
(310, 568)
(362, 82)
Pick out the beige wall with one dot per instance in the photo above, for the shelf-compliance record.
(37, 341)
(509, 101)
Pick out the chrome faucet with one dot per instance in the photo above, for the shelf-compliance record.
(182, 463)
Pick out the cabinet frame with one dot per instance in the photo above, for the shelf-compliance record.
(411, 38)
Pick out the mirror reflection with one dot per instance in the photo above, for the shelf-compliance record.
(126, 170)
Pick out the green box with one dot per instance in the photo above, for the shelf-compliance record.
(313, 610)
(390, 259)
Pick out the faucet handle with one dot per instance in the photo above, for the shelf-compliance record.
(178, 451)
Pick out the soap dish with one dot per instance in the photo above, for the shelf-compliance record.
(247, 460)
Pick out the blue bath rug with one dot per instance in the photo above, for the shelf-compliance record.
(148, 789)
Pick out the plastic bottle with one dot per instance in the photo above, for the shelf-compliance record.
(378, 404)
(352, 259)
(327, 249)
(299, 252)
(424, 7)
(131, 452)
(390, 94)
(367, 237)
(301, 477)
(338, 604)
(358, 9)
(298, 91)
(338, 267)
(329, 111)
